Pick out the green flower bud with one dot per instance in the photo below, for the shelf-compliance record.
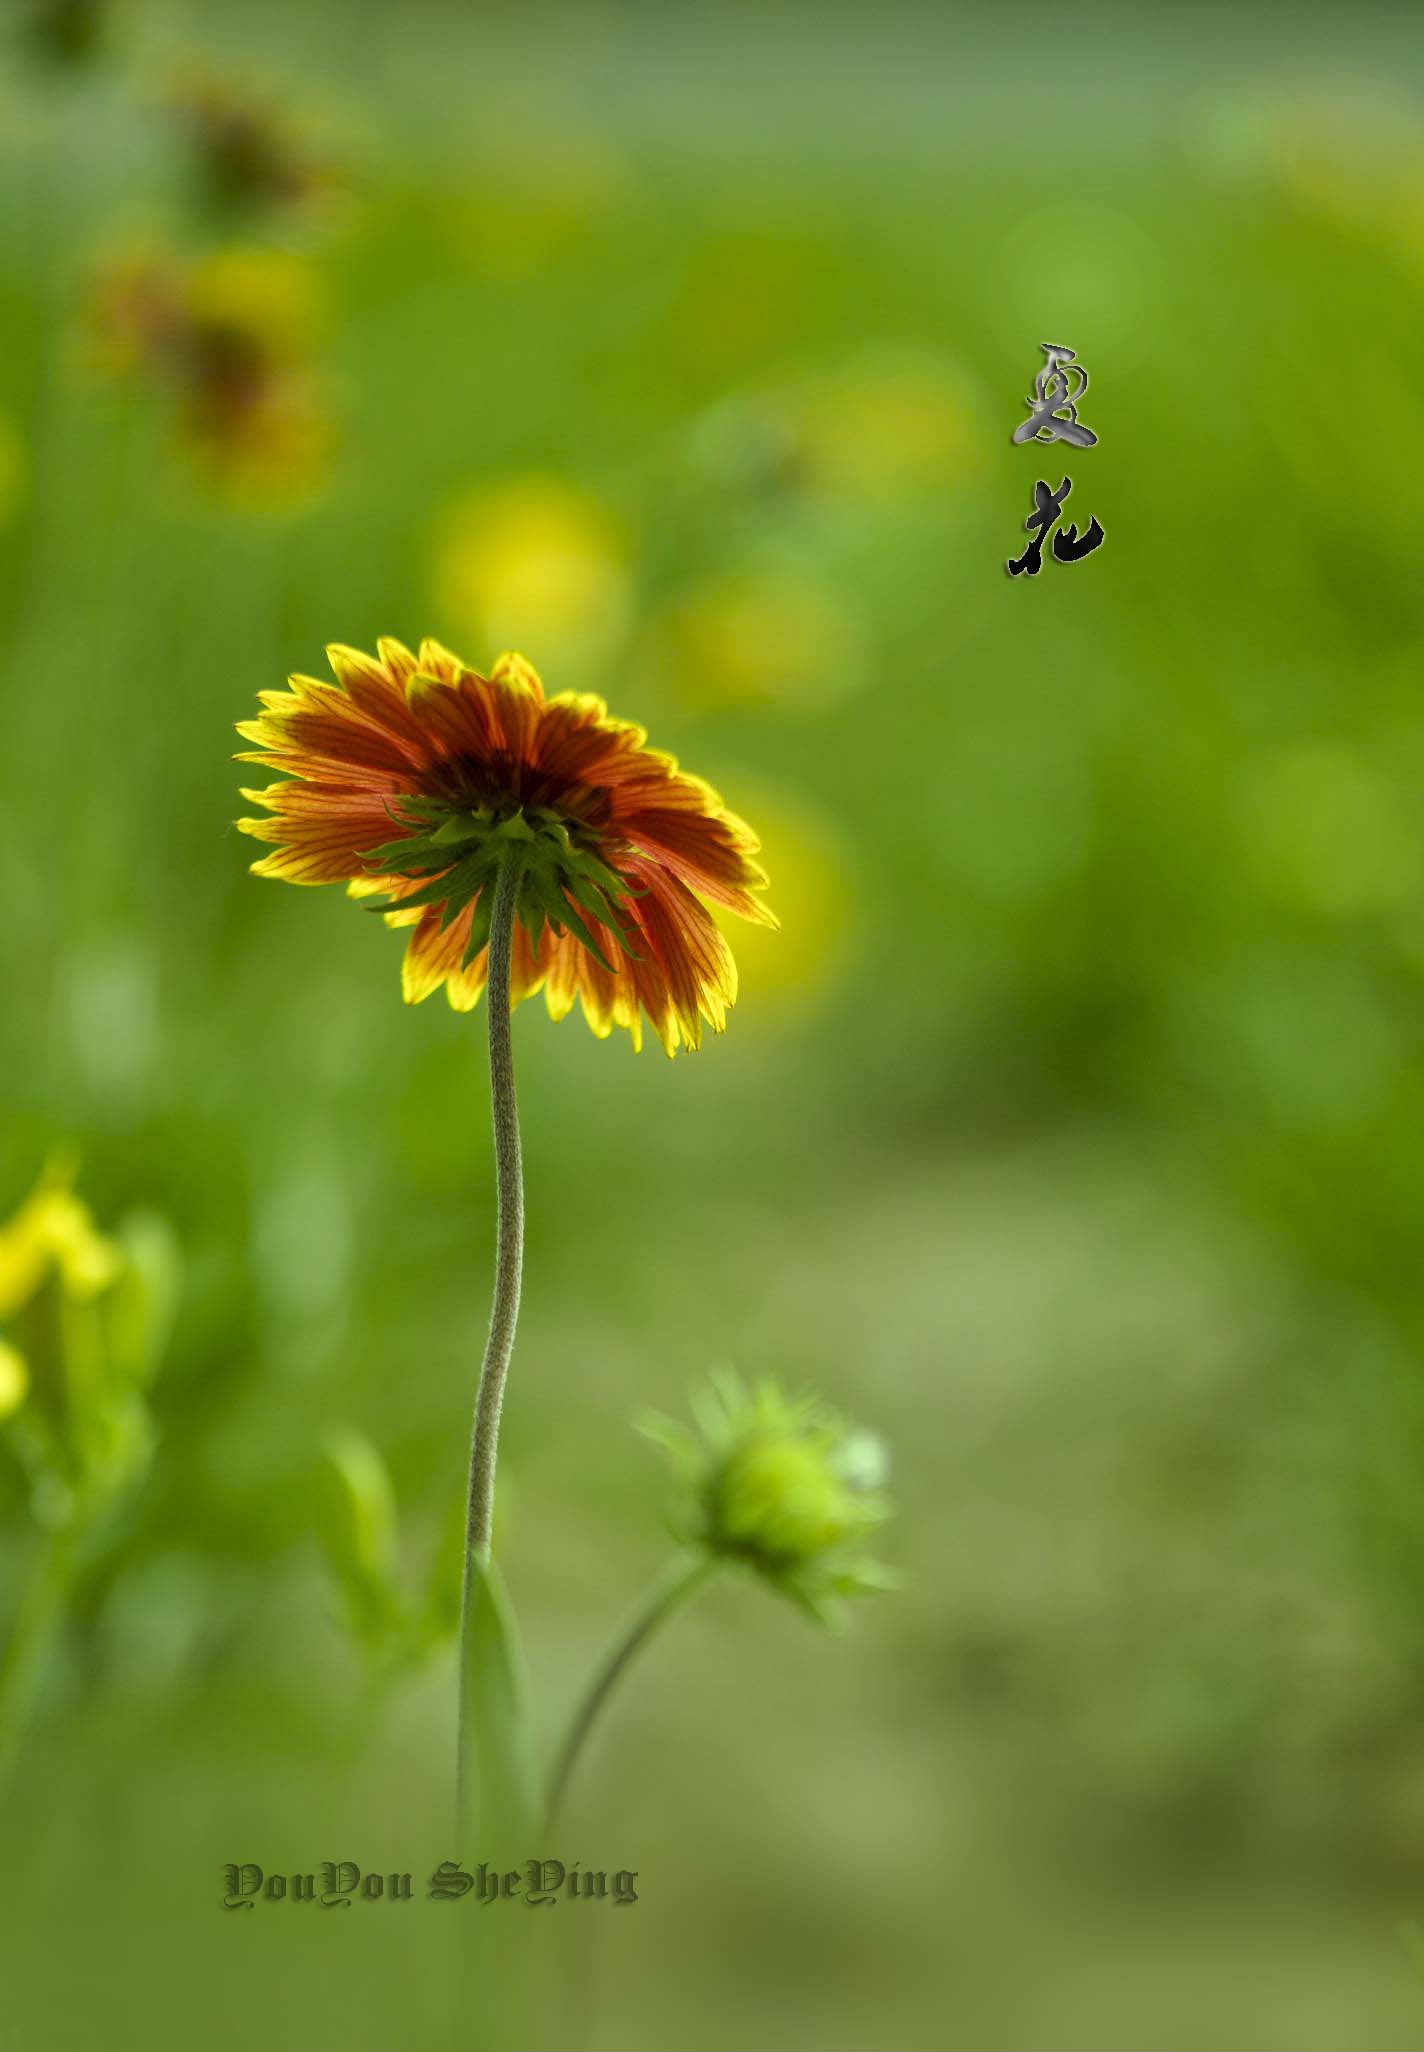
(782, 1486)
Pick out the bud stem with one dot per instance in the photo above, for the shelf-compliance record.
(680, 1580)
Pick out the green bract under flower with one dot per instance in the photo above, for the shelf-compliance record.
(461, 852)
(783, 1486)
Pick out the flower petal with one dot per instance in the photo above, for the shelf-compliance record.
(398, 730)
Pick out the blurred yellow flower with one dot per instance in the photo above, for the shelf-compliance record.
(53, 1232)
(275, 295)
(532, 558)
(91, 1315)
(231, 338)
(14, 1379)
(1351, 151)
(752, 637)
(880, 427)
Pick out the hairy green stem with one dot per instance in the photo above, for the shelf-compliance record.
(508, 1269)
(680, 1580)
(36, 1621)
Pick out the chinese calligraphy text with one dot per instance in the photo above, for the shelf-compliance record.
(1053, 409)
(1068, 544)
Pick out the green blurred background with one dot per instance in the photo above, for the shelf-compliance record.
(1070, 1135)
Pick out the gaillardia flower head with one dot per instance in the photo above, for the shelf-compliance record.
(781, 1485)
(415, 780)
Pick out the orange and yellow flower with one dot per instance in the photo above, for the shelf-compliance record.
(413, 779)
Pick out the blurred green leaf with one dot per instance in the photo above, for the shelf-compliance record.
(358, 1527)
(140, 1309)
(499, 1763)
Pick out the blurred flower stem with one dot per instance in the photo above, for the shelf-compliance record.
(508, 1271)
(679, 1581)
(22, 1662)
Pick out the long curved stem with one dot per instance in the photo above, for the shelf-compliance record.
(680, 1580)
(508, 1270)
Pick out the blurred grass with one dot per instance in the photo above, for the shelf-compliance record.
(1070, 1135)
